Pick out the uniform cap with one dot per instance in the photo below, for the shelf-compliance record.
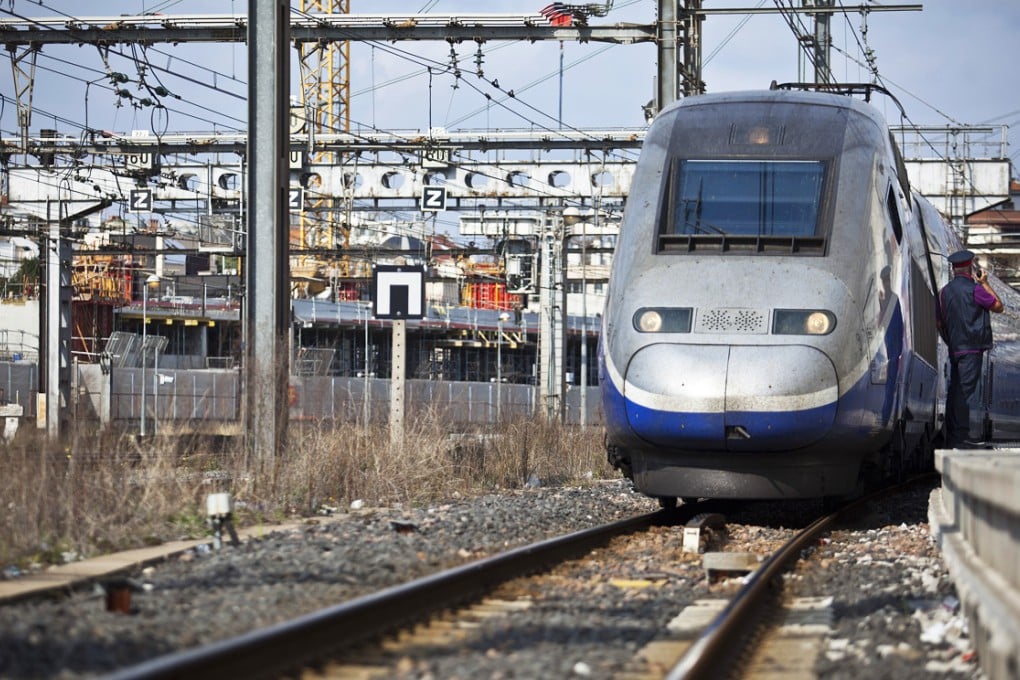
(961, 258)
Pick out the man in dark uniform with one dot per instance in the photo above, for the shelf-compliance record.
(965, 325)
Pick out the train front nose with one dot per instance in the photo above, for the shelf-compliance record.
(730, 397)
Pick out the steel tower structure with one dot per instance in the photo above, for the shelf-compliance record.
(325, 72)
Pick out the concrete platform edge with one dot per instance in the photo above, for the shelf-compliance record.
(66, 577)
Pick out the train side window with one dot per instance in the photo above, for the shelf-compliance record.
(901, 167)
(894, 215)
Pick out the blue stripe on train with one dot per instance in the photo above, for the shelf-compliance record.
(732, 431)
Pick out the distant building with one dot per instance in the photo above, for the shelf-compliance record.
(994, 234)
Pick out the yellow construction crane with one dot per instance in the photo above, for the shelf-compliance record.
(325, 74)
(325, 109)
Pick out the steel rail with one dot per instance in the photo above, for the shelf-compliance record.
(273, 651)
(721, 643)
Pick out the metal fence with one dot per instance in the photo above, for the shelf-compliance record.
(172, 395)
(189, 396)
(19, 381)
(357, 399)
(211, 399)
(17, 345)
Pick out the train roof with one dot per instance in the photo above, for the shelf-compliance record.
(813, 98)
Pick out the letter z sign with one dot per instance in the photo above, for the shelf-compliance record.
(433, 199)
(140, 200)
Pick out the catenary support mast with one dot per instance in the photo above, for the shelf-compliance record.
(267, 302)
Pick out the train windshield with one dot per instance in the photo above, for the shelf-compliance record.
(747, 198)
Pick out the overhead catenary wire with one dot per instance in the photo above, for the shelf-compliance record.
(147, 66)
(872, 67)
(135, 60)
(397, 52)
(170, 3)
(510, 103)
(552, 128)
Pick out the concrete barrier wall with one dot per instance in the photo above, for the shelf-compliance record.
(975, 517)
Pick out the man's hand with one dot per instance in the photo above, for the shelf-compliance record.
(982, 279)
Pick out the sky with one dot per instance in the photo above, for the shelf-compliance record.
(951, 63)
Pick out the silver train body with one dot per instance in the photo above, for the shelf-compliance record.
(769, 330)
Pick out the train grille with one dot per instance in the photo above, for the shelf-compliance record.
(731, 321)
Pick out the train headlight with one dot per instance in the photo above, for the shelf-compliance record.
(803, 322)
(663, 320)
(818, 323)
(649, 321)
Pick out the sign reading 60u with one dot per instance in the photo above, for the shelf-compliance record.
(133, 160)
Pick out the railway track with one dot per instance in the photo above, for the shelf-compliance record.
(278, 650)
(493, 588)
(622, 602)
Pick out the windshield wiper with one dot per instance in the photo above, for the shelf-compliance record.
(697, 225)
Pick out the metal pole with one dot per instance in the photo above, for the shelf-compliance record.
(155, 390)
(145, 322)
(499, 366)
(53, 328)
(552, 302)
(267, 246)
(560, 119)
(397, 381)
(55, 308)
(668, 51)
(823, 43)
(367, 412)
(584, 320)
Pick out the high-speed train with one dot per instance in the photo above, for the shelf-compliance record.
(769, 330)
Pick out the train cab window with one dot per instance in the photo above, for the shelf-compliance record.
(744, 204)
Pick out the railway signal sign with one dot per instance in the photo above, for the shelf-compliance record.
(296, 199)
(133, 161)
(140, 200)
(433, 199)
(398, 292)
(435, 158)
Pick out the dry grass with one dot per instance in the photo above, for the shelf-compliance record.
(105, 492)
